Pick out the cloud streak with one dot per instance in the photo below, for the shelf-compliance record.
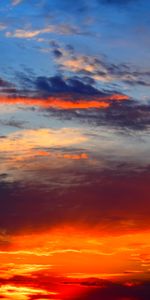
(64, 102)
(62, 29)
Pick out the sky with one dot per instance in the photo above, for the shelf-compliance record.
(74, 150)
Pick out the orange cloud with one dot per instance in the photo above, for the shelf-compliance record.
(64, 102)
(75, 156)
(118, 97)
(42, 153)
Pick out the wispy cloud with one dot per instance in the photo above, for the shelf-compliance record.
(16, 2)
(62, 29)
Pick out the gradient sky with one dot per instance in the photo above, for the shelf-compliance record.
(74, 149)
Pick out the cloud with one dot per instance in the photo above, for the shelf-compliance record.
(5, 84)
(57, 84)
(46, 285)
(72, 205)
(62, 103)
(67, 155)
(2, 26)
(21, 33)
(61, 93)
(65, 97)
(99, 69)
(13, 123)
(16, 2)
(66, 102)
(117, 292)
(127, 117)
(62, 29)
(81, 64)
(73, 94)
(42, 138)
(76, 86)
(7, 87)
(8, 291)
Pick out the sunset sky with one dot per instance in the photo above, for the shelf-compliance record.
(75, 149)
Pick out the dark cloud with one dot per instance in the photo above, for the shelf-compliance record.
(126, 116)
(137, 82)
(57, 53)
(13, 123)
(22, 86)
(111, 208)
(8, 91)
(4, 83)
(118, 292)
(57, 84)
(7, 87)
